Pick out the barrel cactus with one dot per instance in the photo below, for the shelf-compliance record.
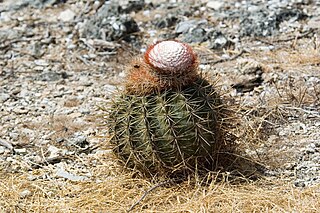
(169, 118)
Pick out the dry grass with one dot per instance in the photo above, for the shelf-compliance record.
(115, 190)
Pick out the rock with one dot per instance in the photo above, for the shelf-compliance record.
(52, 76)
(54, 151)
(196, 35)
(109, 28)
(299, 183)
(263, 22)
(9, 34)
(21, 110)
(185, 26)
(14, 136)
(67, 15)
(218, 40)
(2, 150)
(25, 193)
(130, 6)
(41, 62)
(249, 66)
(109, 23)
(165, 22)
(20, 4)
(4, 97)
(78, 140)
(64, 174)
(216, 5)
(21, 151)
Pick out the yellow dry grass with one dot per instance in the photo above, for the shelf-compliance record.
(115, 190)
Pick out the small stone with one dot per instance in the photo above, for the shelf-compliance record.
(32, 177)
(2, 150)
(67, 15)
(20, 111)
(64, 174)
(6, 144)
(54, 151)
(4, 97)
(216, 5)
(41, 62)
(299, 183)
(78, 140)
(59, 140)
(75, 115)
(25, 193)
(185, 26)
(14, 136)
(21, 151)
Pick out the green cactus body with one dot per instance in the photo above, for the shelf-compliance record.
(167, 131)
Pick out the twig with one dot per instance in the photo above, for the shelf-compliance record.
(150, 190)
(226, 59)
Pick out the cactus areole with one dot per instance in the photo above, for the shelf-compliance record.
(168, 118)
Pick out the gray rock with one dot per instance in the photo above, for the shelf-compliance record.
(196, 35)
(20, 4)
(218, 40)
(21, 151)
(66, 15)
(2, 150)
(130, 6)
(78, 140)
(14, 136)
(264, 22)
(54, 151)
(52, 76)
(9, 34)
(4, 97)
(164, 22)
(109, 23)
(109, 28)
(64, 174)
(185, 26)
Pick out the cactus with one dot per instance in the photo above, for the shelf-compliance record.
(169, 118)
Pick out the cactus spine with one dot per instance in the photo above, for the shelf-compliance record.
(168, 118)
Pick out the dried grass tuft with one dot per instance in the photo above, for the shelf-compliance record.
(115, 190)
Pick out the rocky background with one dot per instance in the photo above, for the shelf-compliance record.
(62, 60)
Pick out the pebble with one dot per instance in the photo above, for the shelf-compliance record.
(4, 97)
(185, 26)
(69, 176)
(67, 15)
(21, 151)
(25, 193)
(41, 62)
(216, 5)
(54, 151)
(2, 150)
